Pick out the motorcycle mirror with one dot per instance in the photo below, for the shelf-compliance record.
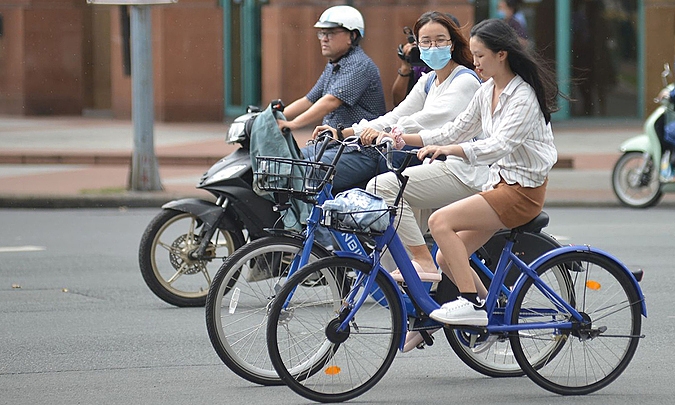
(278, 105)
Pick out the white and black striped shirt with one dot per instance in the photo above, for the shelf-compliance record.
(516, 140)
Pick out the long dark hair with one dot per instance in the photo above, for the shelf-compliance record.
(497, 36)
(461, 53)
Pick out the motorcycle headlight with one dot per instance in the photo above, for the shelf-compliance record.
(225, 174)
(236, 132)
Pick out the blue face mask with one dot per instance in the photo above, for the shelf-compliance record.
(436, 58)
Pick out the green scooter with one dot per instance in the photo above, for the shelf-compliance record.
(644, 172)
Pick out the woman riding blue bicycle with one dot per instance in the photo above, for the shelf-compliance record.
(513, 111)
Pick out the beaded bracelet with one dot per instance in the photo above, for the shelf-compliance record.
(397, 131)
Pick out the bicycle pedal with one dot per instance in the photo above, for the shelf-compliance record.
(428, 339)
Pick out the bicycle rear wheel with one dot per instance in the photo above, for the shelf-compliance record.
(491, 355)
(592, 354)
(238, 301)
(308, 352)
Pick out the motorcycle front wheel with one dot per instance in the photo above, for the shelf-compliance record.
(166, 258)
(636, 182)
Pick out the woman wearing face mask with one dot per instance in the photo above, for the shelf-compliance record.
(444, 91)
(435, 185)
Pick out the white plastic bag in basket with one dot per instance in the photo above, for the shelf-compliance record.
(359, 209)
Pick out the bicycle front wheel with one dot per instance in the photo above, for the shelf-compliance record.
(309, 352)
(593, 353)
(238, 301)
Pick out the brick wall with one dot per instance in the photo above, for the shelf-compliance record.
(291, 56)
(659, 46)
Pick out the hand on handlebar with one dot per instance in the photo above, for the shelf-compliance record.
(663, 95)
(385, 137)
(285, 125)
(322, 128)
(433, 152)
(370, 136)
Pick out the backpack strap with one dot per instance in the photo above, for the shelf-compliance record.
(430, 81)
(471, 72)
(432, 77)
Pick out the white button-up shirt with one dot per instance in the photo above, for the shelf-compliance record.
(516, 140)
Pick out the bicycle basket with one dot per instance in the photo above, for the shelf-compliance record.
(356, 211)
(299, 178)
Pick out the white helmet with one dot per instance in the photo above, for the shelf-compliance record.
(341, 16)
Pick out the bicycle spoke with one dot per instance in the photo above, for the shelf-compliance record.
(591, 353)
(238, 303)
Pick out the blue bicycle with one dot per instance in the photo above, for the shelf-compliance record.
(572, 317)
(238, 300)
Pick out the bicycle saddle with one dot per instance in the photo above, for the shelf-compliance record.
(536, 225)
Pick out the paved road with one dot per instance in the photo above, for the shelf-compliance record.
(80, 327)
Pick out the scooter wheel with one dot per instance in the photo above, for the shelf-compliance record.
(636, 182)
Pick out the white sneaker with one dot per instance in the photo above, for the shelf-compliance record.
(460, 312)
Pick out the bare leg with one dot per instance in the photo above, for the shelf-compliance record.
(460, 228)
(480, 287)
(421, 255)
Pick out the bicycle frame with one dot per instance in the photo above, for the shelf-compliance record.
(350, 245)
(531, 271)
(418, 292)
(497, 317)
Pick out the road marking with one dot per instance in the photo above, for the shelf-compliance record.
(14, 249)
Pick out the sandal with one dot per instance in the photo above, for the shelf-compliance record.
(426, 277)
(414, 339)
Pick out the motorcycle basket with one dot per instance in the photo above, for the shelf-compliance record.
(300, 179)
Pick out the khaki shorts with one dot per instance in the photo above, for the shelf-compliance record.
(514, 204)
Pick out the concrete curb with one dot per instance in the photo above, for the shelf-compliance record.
(84, 158)
(131, 200)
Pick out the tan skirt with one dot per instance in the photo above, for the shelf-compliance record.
(514, 204)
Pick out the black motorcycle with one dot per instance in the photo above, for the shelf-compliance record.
(185, 244)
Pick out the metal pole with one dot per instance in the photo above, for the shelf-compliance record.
(641, 59)
(144, 171)
(563, 24)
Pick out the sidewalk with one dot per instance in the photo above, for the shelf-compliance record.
(84, 162)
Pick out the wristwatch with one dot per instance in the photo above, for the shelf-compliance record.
(405, 75)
